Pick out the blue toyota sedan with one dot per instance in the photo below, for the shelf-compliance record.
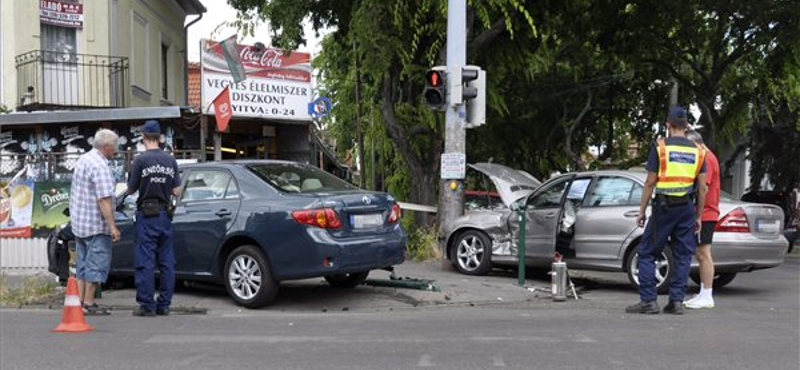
(251, 224)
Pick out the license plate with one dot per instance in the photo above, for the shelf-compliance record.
(364, 221)
(771, 226)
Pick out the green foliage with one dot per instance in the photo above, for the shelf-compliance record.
(423, 245)
(571, 84)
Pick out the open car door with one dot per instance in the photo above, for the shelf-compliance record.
(543, 218)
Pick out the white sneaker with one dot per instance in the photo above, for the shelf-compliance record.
(699, 301)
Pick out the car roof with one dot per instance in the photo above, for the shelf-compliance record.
(238, 163)
(635, 173)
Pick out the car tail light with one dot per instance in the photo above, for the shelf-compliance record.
(734, 222)
(396, 214)
(325, 218)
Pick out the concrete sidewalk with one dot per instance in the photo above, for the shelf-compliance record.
(315, 295)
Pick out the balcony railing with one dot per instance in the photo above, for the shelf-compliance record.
(48, 80)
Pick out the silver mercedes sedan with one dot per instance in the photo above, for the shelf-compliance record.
(590, 218)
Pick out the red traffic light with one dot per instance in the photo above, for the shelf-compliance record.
(434, 78)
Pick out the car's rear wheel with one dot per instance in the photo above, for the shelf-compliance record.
(248, 278)
(350, 280)
(720, 280)
(664, 269)
(471, 253)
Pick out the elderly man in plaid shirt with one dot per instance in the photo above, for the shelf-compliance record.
(91, 208)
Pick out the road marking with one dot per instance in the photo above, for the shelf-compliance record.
(425, 361)
(516, 339)
(279, 339)
(582, 338)
(498, 361)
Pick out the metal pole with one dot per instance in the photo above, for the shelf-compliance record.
(673, 94)
(521, 246)
(217, 146)
(451, 202)
(203, 136)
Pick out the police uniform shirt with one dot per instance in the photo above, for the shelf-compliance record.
(154, 174)
(653, 164)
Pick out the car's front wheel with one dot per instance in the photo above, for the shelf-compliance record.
(350, 280)
(471, 253)
(664, 269)
(248, 278)
(720, 280)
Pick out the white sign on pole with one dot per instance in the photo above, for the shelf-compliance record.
(454, 166)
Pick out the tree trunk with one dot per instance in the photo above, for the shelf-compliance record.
(573, 125)
(424, 184)
(359, 129)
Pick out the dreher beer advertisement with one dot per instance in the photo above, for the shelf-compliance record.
(50, 200)
(278, 83)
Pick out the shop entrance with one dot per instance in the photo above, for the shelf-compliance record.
(254, 149)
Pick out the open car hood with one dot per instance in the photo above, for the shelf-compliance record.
(511, 184)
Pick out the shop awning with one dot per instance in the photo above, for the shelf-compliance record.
(94, 115)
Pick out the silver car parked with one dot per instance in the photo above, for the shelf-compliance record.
(590, 218)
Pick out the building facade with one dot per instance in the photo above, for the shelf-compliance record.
(75, 54)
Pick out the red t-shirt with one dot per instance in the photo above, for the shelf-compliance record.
(711, 209)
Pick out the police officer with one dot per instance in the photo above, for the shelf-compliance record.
(154, 174)
(674, 168)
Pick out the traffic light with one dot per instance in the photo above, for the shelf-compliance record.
(474, 80)
(435, 91)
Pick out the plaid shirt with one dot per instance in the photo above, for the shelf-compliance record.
(91, 182)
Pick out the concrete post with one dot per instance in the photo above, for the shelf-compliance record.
(451, 202)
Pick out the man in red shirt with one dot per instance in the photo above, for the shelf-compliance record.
(709, 218)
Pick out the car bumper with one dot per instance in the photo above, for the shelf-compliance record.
(740, 252)
(331, 256)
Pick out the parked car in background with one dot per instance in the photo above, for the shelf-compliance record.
(590, 218)
(788, 205)
(249, 225)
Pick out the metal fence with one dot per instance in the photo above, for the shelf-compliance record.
(52, 80)
(60, 166)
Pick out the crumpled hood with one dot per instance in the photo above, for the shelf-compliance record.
(512, 185)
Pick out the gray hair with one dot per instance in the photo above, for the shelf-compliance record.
(694, 136)
(105, 137)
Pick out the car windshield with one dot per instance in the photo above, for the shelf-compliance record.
(297, 178)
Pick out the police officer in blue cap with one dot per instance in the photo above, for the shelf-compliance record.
(154, 174)
(676, 172)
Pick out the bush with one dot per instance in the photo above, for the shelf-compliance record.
(423, 244)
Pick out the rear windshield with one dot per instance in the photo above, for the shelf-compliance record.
(297, 178)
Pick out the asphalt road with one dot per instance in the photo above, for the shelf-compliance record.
(755, 326)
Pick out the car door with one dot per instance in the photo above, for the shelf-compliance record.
(607, 217)
(207, 208)
(123, 250)
(542, 218)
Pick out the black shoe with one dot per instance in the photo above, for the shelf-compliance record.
(164, 312)
(143, 312)
(644, 307)
(674, 307)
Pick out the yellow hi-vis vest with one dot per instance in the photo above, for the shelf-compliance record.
(678, 168)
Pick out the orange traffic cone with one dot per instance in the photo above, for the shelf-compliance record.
(72, 320)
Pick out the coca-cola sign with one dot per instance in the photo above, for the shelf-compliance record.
(260, 62)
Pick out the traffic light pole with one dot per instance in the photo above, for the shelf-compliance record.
(451, 201)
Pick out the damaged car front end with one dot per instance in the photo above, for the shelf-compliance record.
(484, 235)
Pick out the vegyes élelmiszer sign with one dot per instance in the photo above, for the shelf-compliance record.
(278, 84)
